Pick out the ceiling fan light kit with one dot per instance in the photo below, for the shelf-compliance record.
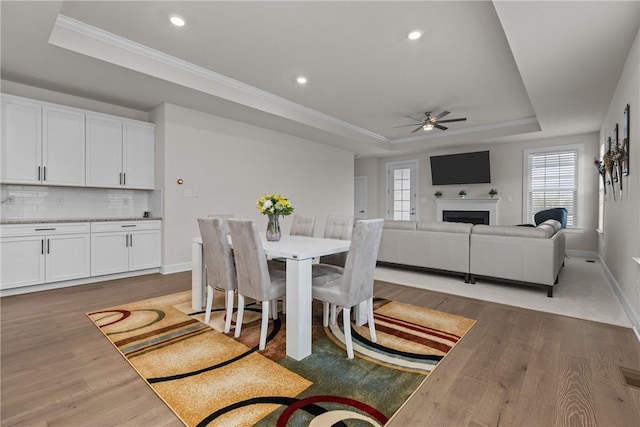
(429, 122)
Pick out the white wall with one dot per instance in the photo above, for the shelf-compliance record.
(621, 238)
(229, 165)
(19, 89)
(506, 177)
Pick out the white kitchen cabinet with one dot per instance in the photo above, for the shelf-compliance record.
(43, 253)
(138, 148)
(120, 246)
(21, 144)
(63, 140)
(22, 261)
(120, 152)
(42, 143)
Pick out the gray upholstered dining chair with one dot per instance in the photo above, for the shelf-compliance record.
(353, 284)
(255, 279)
(302, 225)
(219, 265)
(337, 227)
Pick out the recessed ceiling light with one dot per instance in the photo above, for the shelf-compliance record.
(177, 20)
(302, 80)
(414, 34)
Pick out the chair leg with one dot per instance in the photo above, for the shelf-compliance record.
(229, 315)
(239, 316)
(325, 314)
(274, 309)
(372, 325)
(333, 314)
(346, 319)
(265, 323)
(207, 313)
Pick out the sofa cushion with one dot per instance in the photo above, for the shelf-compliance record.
(511, 230)
(448, 227)
(399, 225)
(554, 224)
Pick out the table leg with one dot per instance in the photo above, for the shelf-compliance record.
(197, 276)
(361, 313)
(298, 308)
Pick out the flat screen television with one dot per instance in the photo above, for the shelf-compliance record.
(464, 168)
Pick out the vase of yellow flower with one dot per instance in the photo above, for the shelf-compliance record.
(274, 206)
(273, 228)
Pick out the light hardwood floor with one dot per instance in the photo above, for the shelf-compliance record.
(516, 367)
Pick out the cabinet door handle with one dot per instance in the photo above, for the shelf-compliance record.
(44, 173)
(120, 182)
(48, 246)
(45, 229)
(130, 240)
(42, 247)
(124, 178)
(126, 240)
(128, 225)
(38, 173)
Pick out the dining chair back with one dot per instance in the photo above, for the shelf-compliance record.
(219, 264)
(255, 279)
(355, 284)
(303, 225)
(337, 227)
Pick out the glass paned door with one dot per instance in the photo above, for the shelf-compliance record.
(402, 190)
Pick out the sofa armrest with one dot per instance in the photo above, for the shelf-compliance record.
(525, 259)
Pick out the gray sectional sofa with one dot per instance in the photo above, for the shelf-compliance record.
(525, 255)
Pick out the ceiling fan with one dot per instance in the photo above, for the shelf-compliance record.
(428, 122)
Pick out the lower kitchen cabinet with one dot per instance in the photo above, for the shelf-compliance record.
(43, 253)
(120, 246)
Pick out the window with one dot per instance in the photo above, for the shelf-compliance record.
(402, 190)
(551, 181)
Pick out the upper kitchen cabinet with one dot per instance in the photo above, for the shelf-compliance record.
(120, 152)
(138, 148)
(41, 143)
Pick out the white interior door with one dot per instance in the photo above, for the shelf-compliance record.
(360, 197)
(402, 190)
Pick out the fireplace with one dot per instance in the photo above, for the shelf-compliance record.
(476, 211)
(472, 217)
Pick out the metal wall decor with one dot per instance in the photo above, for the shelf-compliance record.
(614, 164)
(625, 141)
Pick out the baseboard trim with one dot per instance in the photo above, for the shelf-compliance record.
(175, 268)
(76, 282)
(582, 254)
(628, 308)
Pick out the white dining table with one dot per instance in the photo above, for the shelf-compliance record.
(299, 253)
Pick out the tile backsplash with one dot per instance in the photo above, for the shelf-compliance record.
(35, 202)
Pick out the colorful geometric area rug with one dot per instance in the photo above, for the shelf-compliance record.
(209, 378)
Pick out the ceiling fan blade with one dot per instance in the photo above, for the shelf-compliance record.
(412, 124)
(417, 129)
(440, 127)
(441, 115)
(452, 120)
(416, 119)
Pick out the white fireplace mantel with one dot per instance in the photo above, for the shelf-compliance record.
(460, 204)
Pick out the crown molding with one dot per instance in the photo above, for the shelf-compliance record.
(500, 127)
(66, 28)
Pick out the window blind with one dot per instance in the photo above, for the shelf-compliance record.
(553, 183)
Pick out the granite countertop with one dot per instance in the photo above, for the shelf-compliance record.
(61, 220)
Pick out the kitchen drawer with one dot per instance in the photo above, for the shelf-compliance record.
(111, 226)
(16, 230)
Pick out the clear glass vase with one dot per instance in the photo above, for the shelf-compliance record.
(273, 228)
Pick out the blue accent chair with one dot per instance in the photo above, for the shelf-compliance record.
(559, 214)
